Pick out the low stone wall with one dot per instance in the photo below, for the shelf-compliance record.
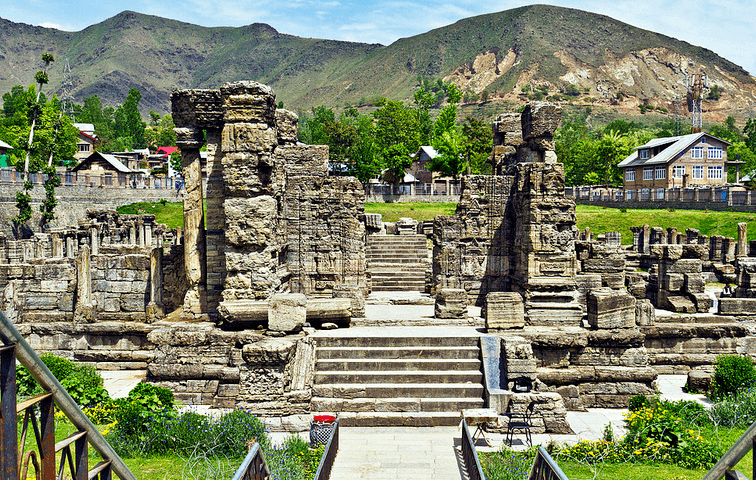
(74, 201)
(661, 204)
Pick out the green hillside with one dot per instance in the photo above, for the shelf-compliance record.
(157, 55)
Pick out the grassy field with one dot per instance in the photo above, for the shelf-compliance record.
(599, 219)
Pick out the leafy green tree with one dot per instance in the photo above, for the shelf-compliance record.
(161, 134)
(102, 118)
(128, 121)
(398, 133)
(476, 147)
(727, 130)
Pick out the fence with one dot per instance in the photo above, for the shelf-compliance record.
(730, 196)
(79, 179)
(40, 412)
(724, 467)
(470, 456)
(545, 468)
(412, 189)
(253, 467)
(329, 455)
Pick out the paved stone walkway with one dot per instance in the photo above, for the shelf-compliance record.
(404, 453)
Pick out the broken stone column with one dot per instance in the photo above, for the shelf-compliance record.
(287, 312)
(503, 310)
(190, 140)
(693, 235)
(95, 240)
(742, 248)
(609, 309)
(451, 303)
(728, 250)
(57, 246)
(155, 309)
(84, 311)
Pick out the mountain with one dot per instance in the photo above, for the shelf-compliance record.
(538, 45)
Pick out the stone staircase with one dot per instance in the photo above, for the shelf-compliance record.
(397, 262)
(397, 381)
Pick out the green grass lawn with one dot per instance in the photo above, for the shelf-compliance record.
(599, 219)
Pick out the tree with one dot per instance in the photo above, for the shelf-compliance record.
(397, 134)
(727, 130)
(128, 121)
(476, 146)
(161, 134)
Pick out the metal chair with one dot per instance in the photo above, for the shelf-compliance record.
(519, 423)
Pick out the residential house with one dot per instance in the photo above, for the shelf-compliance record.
(86, 143)
(108, 169)
(698, 159)
(4, 159)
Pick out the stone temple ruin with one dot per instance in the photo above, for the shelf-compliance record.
(233, 310)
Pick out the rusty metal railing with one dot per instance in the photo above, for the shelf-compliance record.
(39, 413)
(545, 468)
(724, 467)
(253, 467)
(470, 456)
(329, 455)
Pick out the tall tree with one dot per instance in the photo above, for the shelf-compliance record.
(128, 121)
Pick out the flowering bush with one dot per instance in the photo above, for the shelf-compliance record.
(732, 373)
(507, 464)
(660, 432)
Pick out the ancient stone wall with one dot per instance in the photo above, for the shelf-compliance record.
(277, 223)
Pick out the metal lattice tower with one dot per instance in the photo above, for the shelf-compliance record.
(67, 96)
(696, 84)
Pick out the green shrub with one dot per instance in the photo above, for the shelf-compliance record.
(637, 402)
(85, 386)
(82, 382)
(507, 464)
(153, 397)
(732, 373)
(236, 428)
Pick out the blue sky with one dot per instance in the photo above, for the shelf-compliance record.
(727, 27)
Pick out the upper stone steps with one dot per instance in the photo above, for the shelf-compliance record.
(412, 352)
(396, 341)
(397, 262)
(397, 364)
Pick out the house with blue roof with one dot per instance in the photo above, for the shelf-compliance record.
(698, 159)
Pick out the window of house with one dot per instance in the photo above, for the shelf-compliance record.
(630, 175)
(698, 171)
(648, 173)
(644, 154)
(697, 152)
(661, 173)
(660, 194)
(678, 171)
(703, 139)
(715, 152)
(629, 194)
(714, 172)
(83, 147)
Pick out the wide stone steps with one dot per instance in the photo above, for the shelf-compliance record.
(397, 380)
(397, 262)
(415, 353)
(398, 376)
(396, 364)
(399, 390)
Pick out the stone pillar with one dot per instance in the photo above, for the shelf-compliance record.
(636, 238)
(95, 240)
(133, 234)
(70, 246)
(693, 235)
(57, 246)
(646, 239)
(672, 235)
(155, 309)
(728, 250)
(148, 235)
(84, 312)
(189, 140)
(742, 250)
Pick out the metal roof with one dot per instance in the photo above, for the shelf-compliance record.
(112, 160)
(5, 145)
(676, 146)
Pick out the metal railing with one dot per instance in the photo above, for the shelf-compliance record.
(77, 179)
(329, 455)
(724, 467)
(253, 467)
(545, 468)
(420, 189)
(39, 412)
(470, 456)
(724, 194)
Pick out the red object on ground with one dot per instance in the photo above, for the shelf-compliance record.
(324, 418)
